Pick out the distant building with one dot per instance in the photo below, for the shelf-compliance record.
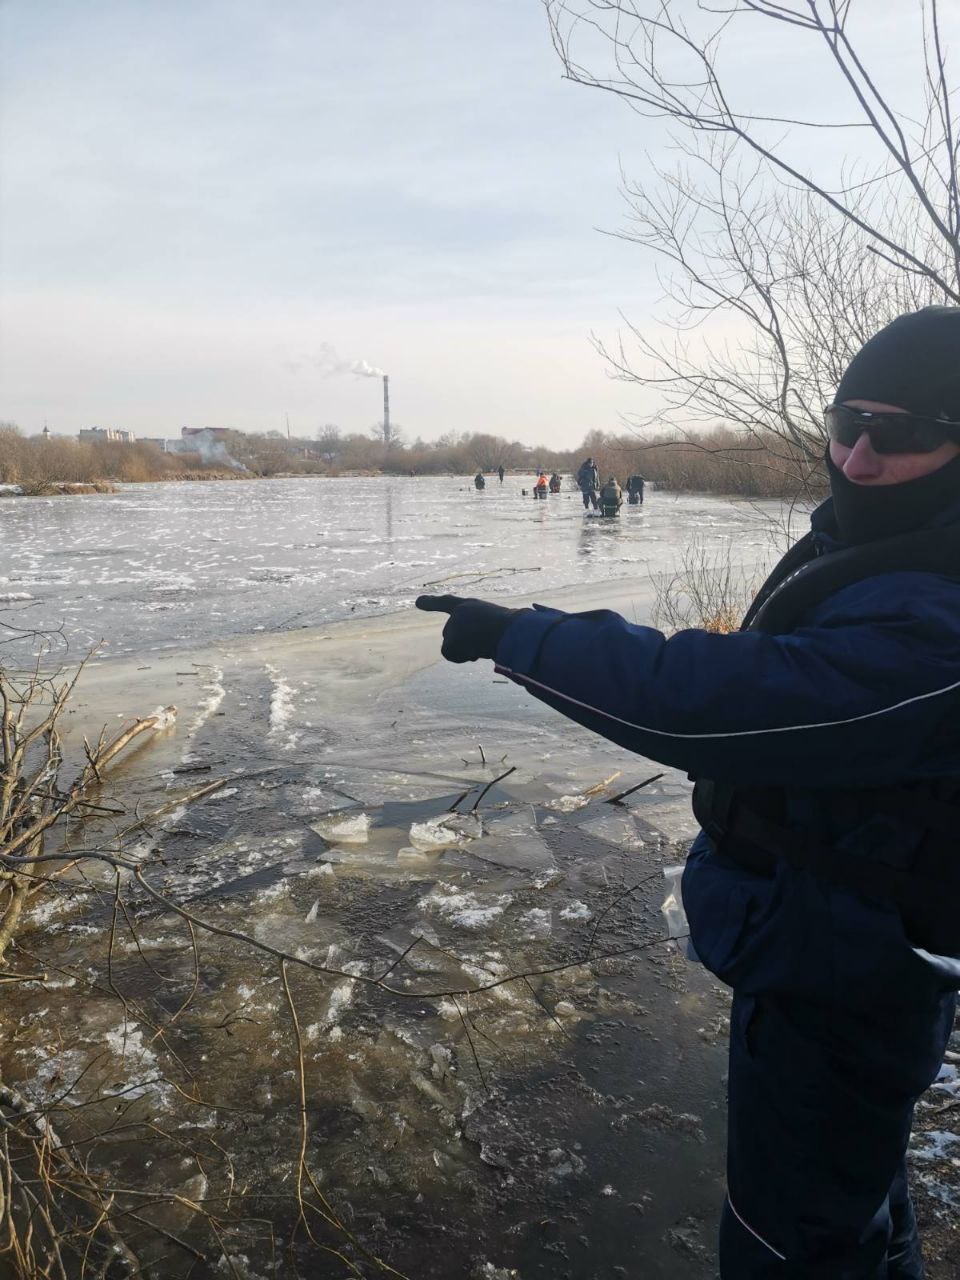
(155, 442)
(99, 434)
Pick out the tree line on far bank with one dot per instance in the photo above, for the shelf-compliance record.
(722, 460)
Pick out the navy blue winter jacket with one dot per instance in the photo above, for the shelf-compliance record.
(864, 692)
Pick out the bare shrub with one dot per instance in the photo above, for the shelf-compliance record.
(707, 590)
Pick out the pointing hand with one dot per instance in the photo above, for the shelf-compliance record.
(473, 629)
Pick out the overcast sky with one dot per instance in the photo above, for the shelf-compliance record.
(207, 203)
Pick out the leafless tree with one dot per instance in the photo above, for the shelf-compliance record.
(389, 434)
(773, 275)
(489, 452)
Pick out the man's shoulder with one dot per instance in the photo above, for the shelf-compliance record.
(906, 596)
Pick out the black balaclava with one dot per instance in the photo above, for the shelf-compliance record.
(914, 363)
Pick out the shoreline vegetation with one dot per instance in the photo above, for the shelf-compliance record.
(722, 461)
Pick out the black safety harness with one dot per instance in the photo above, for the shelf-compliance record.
(748, 825)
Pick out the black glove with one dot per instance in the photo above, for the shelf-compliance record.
(473, 629)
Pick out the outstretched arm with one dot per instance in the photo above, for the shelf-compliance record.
(854, 699)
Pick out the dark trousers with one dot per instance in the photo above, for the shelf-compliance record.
(820, 1108)
(589, 498)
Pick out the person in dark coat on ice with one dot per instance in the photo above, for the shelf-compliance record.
(588, 481)
(824, 886)
(611, 498)
(635, 486)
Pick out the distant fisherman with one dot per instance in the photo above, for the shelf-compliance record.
(588, 479)
(555, 483)
(479, 481)
(635, 490)
(611, 498)
(500, 472)
(540, 488)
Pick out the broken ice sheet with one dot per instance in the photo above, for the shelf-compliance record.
(511, 822)
(520, 853)
(344, 828)
(512, 840)
(317, 800)
(467, 824)
(433, 834)
(615, 828)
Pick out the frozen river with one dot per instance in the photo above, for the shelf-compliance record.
(460, 1122)
(195, 563)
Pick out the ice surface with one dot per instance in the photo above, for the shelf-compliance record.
(537, 922)
(294, 552)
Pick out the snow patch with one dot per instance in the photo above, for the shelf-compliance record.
(464, 909)
(576, 911)
(214, 693)
(282, 708)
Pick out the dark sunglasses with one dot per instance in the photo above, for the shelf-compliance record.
(889, 432)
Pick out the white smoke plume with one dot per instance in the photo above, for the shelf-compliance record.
(330, 364)
(213, 452)
(364, 370)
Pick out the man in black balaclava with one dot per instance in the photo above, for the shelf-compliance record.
(824, 737)
(911, 366)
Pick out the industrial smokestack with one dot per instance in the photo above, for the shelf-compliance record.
(386, 409)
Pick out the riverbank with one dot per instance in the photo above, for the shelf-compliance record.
(65, 488)
(720, 462)
(56, 489)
